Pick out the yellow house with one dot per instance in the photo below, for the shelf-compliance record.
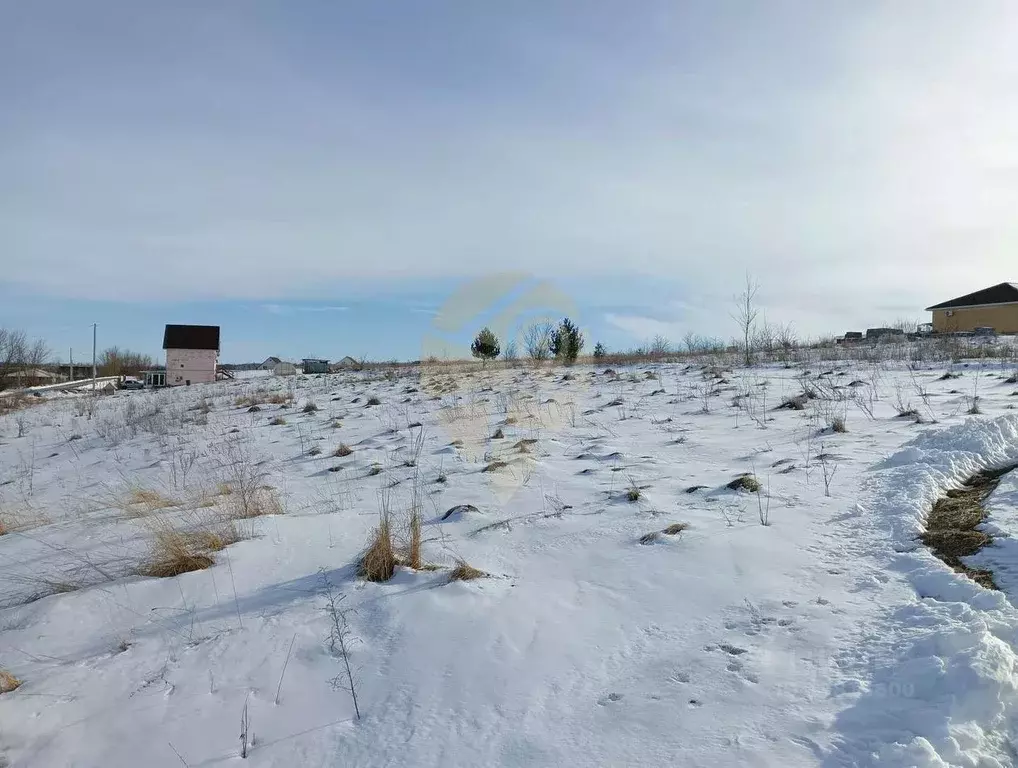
(995, 307)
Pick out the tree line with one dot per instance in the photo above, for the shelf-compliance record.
(541, 341)
(20, 355)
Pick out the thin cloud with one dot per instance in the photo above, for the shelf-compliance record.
(289, 309)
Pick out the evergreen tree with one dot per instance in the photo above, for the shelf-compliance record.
(486, 345)
(567, 341)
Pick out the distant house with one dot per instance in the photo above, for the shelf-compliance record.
(315, 365)
(192, 354)
(28, 377)
(284, 369)
(995, 307)
(347, 364)
(270, 363)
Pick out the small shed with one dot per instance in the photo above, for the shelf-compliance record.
(315, 365)
(284, 369)
(270, 362)
(876, 334)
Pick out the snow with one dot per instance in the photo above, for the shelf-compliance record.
(828, 636)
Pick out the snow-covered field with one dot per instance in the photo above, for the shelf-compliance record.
(800, 625)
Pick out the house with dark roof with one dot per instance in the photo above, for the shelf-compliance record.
(995, 307)
(192, 353)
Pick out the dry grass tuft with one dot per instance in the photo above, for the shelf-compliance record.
(797, 403)
(4, 530)
(342, 450)
(633, 493)
(174, 551)
(649, 538)
(315, 450)
(279, 398)
(150, 500)
(497, 464)
(278, 421)
(465, 572)
(744, 483)
(675, 529)
(378, 563)
(838, 425)
(498, 434)
(413, 551)
(8, 682)
(309, 407)
(376, 469)
(372, 401)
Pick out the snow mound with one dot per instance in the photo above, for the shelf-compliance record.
(942, 686)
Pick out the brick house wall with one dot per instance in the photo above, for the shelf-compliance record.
(191, 366)
(1003, 318)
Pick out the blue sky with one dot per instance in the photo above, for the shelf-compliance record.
(319, 177)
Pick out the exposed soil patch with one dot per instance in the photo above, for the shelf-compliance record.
(952, 526)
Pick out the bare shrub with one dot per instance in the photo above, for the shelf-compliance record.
(339, 640)
(309, 407)
(246, 502)
(537, 340)
(838, 424)
(342, 450)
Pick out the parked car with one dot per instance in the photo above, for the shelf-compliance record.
(984, 330)
(132, 384)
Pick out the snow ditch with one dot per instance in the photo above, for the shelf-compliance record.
(942, 667)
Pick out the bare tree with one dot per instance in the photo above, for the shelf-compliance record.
(905, 325)
(18, 354)
(117, 362)
(511, 353)
(745, 314)
(537, 340)
(660, 346)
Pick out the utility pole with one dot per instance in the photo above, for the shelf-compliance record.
(93, 357)
(70, 358)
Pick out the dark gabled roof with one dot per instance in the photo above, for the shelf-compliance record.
(1002, 293)
(191, 337)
